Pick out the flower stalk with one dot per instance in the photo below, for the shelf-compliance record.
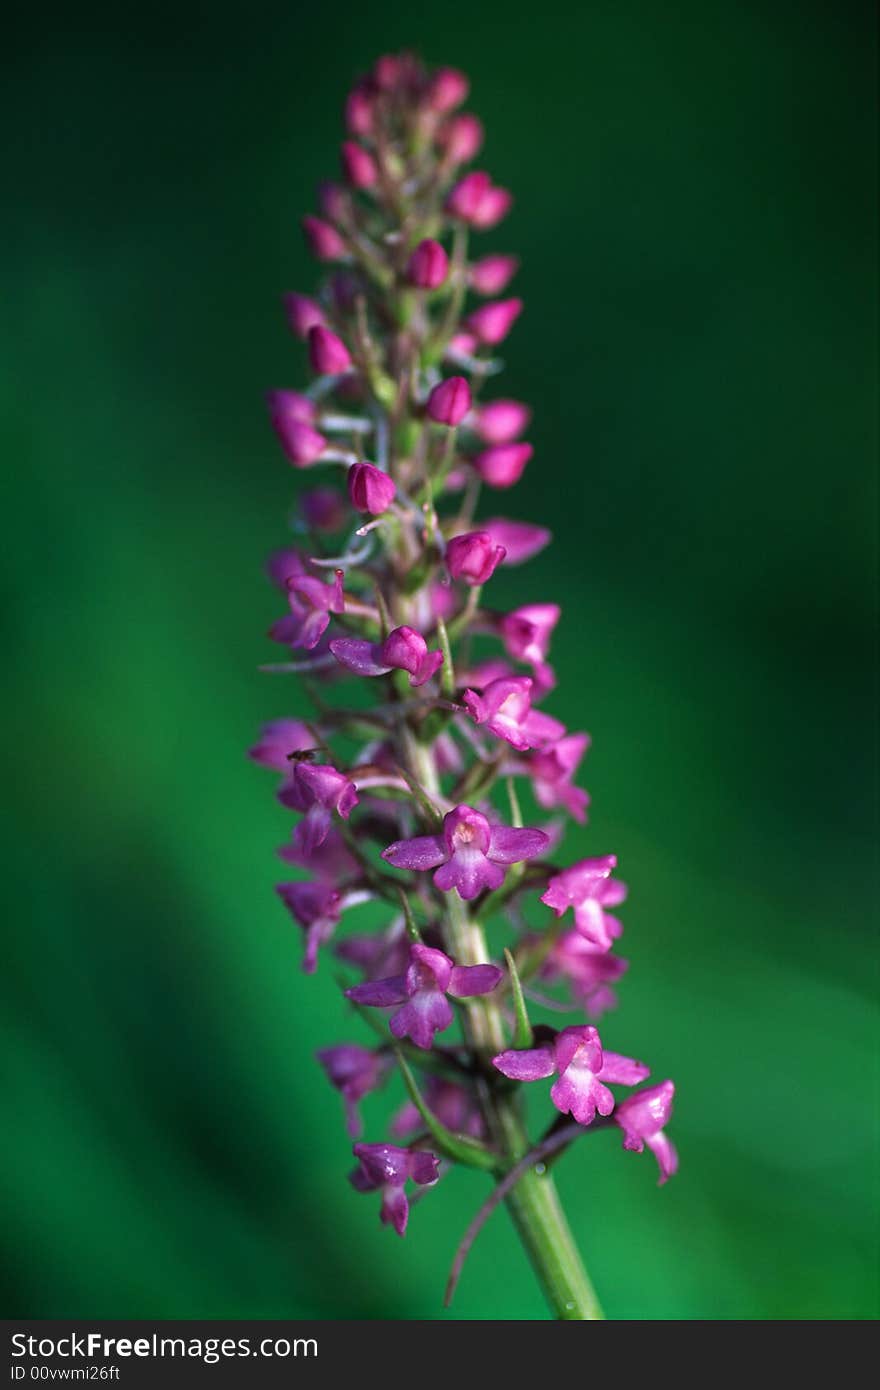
(415, 802)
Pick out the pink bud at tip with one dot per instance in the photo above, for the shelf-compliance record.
(500, 422)
(449, 402)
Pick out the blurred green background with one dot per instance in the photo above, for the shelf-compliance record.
(695, 216)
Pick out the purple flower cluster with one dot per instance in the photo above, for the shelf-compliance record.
(409, 802)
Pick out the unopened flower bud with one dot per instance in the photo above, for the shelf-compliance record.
(324, 241)
(499, 422)
(473, 557)
(448, 89)
(301, 443)
(461, 138)
(358, 165)
(428, 265)
(369, 489)
(449, 402)
(359, 112)
(493, 274)
(302, 314)
(492, 322)
(328, 354)
(503, 465)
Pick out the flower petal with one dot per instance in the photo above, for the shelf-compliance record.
(379, 994)
(422, 852)
(363, 658)
(531, 1064)
(467, 980)
(508, 845)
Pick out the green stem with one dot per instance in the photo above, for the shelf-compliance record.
(534, 1202)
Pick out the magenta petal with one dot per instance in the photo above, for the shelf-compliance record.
(395, 1209)
(507, 845)
(467, 980)
(532, 1064)
(469, 871)
(666, 1155)
(426, 1013)
(364, 658)
(422, 852)
(379, 994)
(622, 1071)
(424, 1168)
(427, 668)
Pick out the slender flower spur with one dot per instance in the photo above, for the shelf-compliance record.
(408, 799)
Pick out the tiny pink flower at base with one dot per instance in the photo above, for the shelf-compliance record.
(301, 443)
(311, 603)
(317, 907)
(551, 770)
(324, 241)
(422, 991)
(493, 274)
(588, 888)
(317, 790)
(584, 1071)
(469, 854)
(327, 353)
(355, 1072)
(526, 634)
(491, 323)
(502, 421)
(302, 314)
(404, 649)
(505, 707)
(369, 489)
(277, 740)
(642, 1117)
(331, 861)
(450, 401)
(385, 1168)
(520, 539)
(473, 557)
(358, 165)
(428, 265)
(504, 464)
(589, 971)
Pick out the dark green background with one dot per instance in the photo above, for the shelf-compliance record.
(695, 216)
